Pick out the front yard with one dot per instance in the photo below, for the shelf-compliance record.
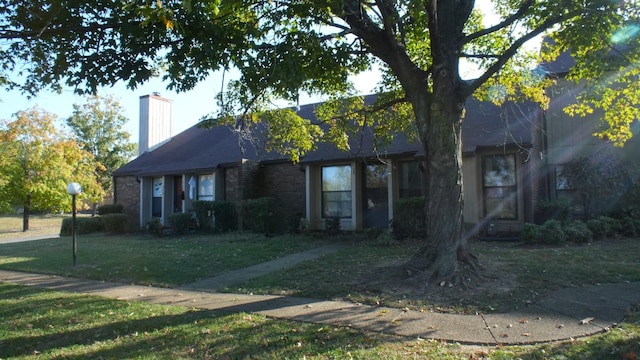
(45, 324)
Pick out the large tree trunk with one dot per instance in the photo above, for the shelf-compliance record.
(438, 97)
(439, 111)
(444, 249)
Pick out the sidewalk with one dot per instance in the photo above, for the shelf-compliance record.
(565, 314)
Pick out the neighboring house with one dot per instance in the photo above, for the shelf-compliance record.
(502, 160)
(567, 138)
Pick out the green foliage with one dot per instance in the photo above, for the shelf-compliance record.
(553, 209)
(332, 225)
(531, 234)
(180, 223)
(97, 126)
(577, 232)
(603, 181)
(109, 209)
(38, 162)
(218, 216)
(115, 223)
(553, 233)
(259, 215)
(84, 225)
(605, 227)
(408, 218)
(155, 227)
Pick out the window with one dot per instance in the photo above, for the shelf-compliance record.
(205, 187)
(410, 179)
(156, 201)
(336, 191)
(499, 185)
(565, 192)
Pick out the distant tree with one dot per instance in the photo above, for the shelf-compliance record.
(97, 126)
(38, 164)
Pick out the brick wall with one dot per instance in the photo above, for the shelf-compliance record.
(127, 190)
(286, 183)
(231, 184)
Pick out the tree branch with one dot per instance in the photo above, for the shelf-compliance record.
(506, 22)
(512, 50)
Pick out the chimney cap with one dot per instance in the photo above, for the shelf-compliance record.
(156, 93)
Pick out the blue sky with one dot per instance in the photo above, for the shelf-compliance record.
(188, 107)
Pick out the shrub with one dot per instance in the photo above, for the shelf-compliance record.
(218, 216)
(604, 227)
(598, 228)
(109, 209)
(531, 234)
(408, 218)
(630, 227)
(115, 223)
(553, 210)
(578, 232)
(332, 225)
(552, 233)
(180, 223)
(84, 225)
(258, 215)
(614, 226)
(304, 227)
(154, 226)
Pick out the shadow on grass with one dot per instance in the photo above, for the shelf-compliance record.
(44, 322)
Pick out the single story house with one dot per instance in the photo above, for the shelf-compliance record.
(500, 166)
(511, 160)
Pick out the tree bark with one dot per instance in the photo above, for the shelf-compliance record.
(437, 95)
(439, 112)
(26, 212)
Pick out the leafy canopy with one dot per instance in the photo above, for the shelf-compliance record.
(284, 48)
(39, 162)
(97, 126)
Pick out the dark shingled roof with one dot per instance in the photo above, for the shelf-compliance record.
(197, 149)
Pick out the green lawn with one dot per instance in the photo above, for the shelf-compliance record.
(143, 259)
(45, 324)
(11, 225)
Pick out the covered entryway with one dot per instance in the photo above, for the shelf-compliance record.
(375, 196)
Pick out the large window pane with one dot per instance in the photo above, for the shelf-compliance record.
(336, 191)
(500, 191)
(410, 179)
(205, 187)
(500, 170)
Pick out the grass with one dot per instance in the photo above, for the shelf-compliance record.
(169, 261)
(524, 275)
(43, 324)
(46, 324)
(11, 225)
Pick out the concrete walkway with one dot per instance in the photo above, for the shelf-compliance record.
(565, 314)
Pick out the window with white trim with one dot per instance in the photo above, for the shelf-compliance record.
(499, 186)
(205, 187)
(336, 191)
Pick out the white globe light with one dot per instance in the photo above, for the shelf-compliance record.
(74, 188)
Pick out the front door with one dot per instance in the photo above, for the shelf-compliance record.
(178, 194)
(375, 198)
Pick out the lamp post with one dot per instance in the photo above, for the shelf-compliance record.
(73, 189)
